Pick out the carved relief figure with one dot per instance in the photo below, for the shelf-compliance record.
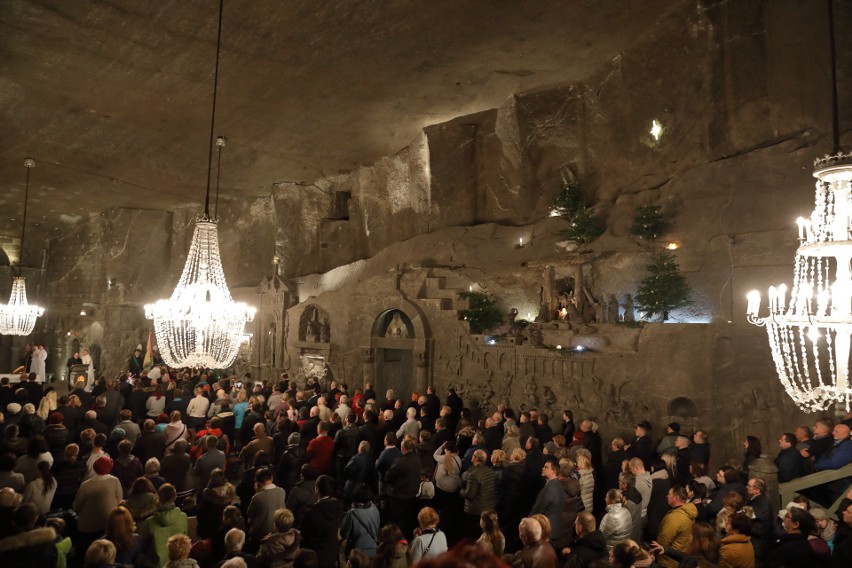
(397, 328)
(629, 314)
(530, 391)
(312, 332)
(325, 331)
(611, 309)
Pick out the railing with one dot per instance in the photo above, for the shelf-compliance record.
(787, 491)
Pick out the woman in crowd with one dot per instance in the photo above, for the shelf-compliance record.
(617, 523)
(240, 409)
(142, 500)
(218, 494)
(753, 449)
(69, 474)
(127, 467)
(587, 479)
(41, 490)
(628, 554)
(37, 451)
(429, 541)
(231, 518)
(281, 546)
(175, 430)
(736, 549)
(733, 503)
(392, 549)
(121, 532)
(491, 539)
(156, 403)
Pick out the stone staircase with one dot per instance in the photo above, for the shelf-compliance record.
(435, 293)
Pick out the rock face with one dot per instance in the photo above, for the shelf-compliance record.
(743, 112)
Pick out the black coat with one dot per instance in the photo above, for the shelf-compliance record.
(643, 448)
(790, 464)
(289, 468)
(403, 477)
(586, 550)
(319, 529)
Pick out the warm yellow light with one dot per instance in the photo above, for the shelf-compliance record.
(673, 246)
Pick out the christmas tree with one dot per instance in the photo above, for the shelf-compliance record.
(664, 289)
(570, 203)
(649, 223)
(482, 313)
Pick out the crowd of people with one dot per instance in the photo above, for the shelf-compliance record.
(184, 470)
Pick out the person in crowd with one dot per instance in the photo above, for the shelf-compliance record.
(150, 444)
(479, 491)
(760, 512)
(179, 547)
(429, 540)
(550, 501)
(8, 476)
(37, 451)
(322, 521)
(392, 549)
(728, 480)
(587, 480)
(268, 498)
(403, 480)
(95, 499)
(213, 458)
(492, 539)
(752, 450)
(535, 553)
(142, 500)
(667, 442)
(642, 446)
(175, 465)
(703, 547)
(121, 532)
(732, 504)
(842, 555)
(41, 490)
(155, 531)
(735, 548)
(360, 525)
(68, 473)
(100, 554)
(588, 546)
(218, 494)
(676, 527)
(840, 454)
(303, 494)
(127, 467)
(616, 524)
(797, 548)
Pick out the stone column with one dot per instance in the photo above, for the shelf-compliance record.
(367, 365)
(764, 468)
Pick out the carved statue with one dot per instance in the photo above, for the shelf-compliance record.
(506, 391)
(535, 335)
(312, 331)
(397, 328)
(325, 331)
(611, 309)
(549, 399)
(530, 391)
(629, 314)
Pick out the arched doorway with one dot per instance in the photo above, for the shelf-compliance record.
(393, 340)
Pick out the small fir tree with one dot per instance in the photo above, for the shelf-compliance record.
(569, 202)
(664, 289)
(649, 223)
(482, 313)
(585, 227)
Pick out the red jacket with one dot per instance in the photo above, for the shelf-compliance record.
(320, 452)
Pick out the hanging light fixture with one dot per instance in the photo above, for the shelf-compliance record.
(18, 317)
(200, 325)
(811, 334)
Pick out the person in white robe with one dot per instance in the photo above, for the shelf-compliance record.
(38, 364)
(87, 360)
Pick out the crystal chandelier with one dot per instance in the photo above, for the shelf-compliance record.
(201, 325)
(810, 334)
(18, 317)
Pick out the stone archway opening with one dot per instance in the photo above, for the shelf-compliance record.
(392, 339)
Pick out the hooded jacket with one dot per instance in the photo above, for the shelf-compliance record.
(737, 551)
(154, 534)
(279, 550)
(676, 530)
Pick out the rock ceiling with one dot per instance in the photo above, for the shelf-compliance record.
(112, 98)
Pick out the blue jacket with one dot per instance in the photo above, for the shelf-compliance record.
(837, 457)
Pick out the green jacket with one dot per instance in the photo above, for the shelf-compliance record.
(675, 531)
(479, 491)
(154, 533)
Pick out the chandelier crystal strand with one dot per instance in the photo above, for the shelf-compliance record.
(811, 346)
(18, 317)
